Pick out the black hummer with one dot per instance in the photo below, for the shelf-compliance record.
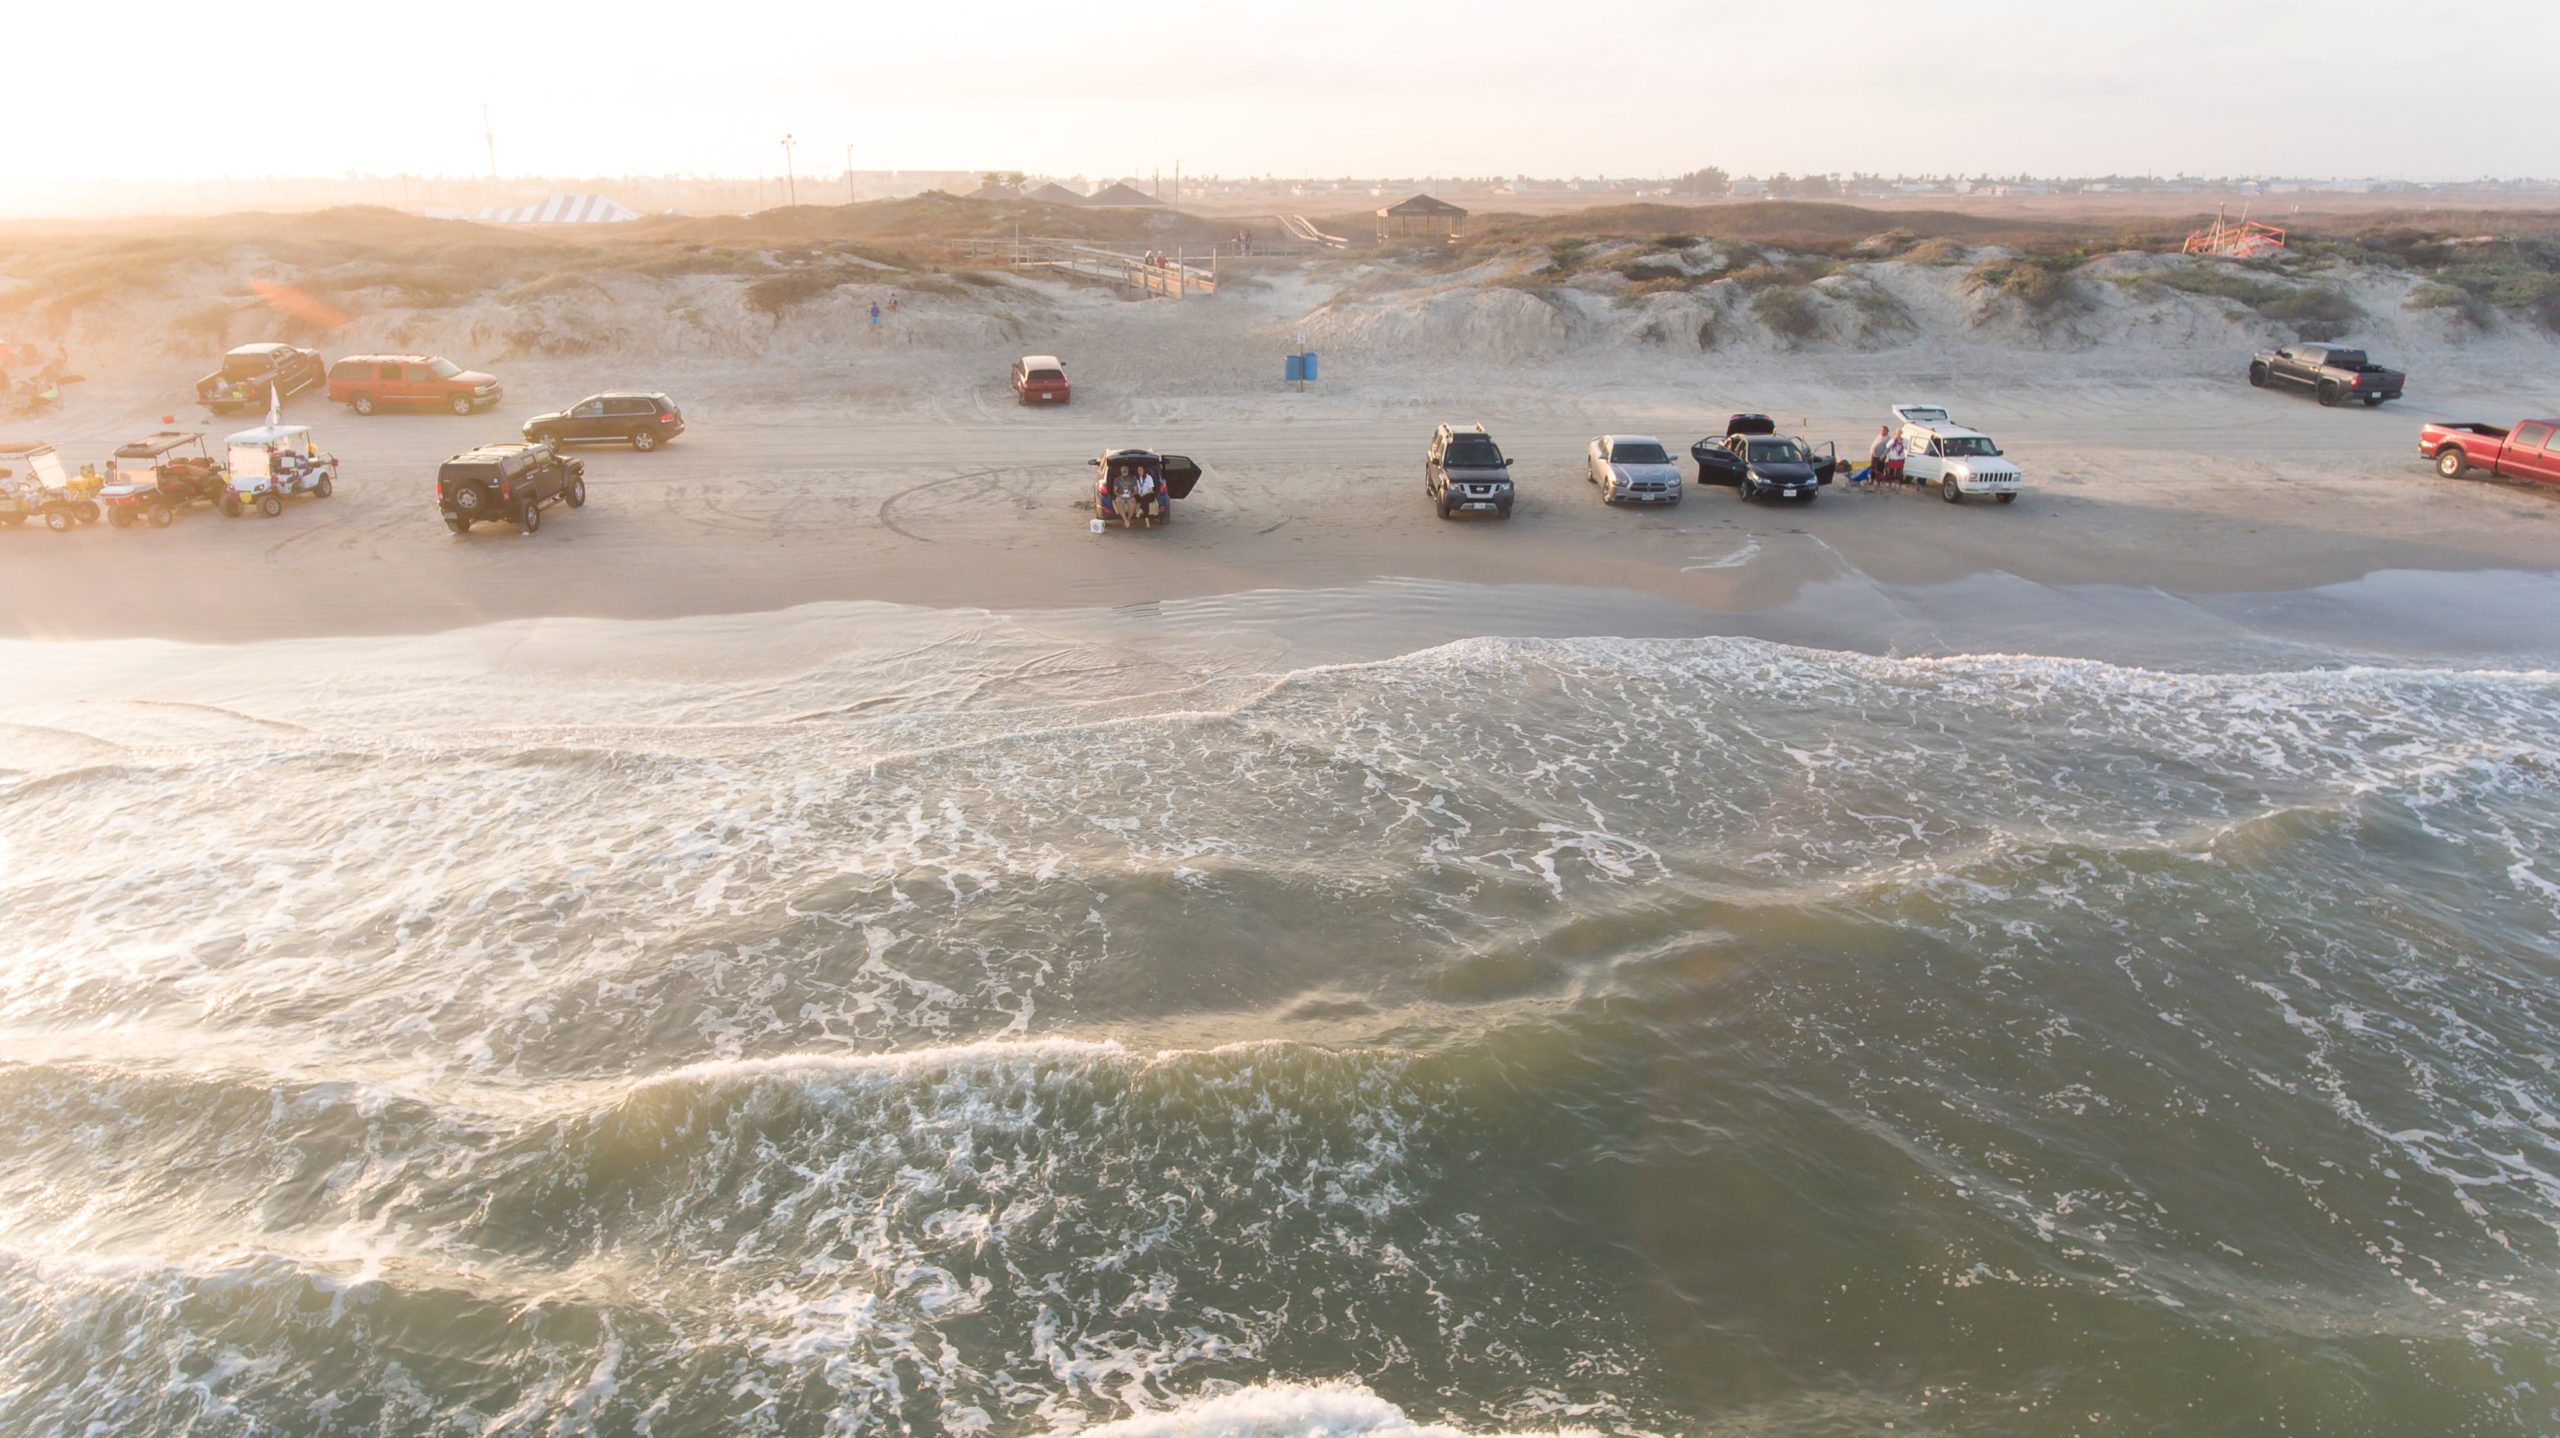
(1465, 472)
(2333, 372)
(507, 481)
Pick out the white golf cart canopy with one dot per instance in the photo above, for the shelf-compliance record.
(251, 449)
(41, 461)
(267, 436)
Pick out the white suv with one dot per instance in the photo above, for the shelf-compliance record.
(1958, 461)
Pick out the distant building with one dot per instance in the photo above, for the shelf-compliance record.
(1055, 194)
(1422, 218)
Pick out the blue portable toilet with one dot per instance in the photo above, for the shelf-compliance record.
(1310, 358)
(1294, 370)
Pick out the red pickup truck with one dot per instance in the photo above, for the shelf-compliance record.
(2529, 451)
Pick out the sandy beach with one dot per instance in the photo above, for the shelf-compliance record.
(935, 489)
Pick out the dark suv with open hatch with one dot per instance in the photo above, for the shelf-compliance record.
(643, 421)
(507, 482)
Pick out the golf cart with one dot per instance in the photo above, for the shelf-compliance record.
(1138, 486)
(33, 483)
(273, 462)
(151, 478)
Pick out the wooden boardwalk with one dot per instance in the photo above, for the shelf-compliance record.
(1175, 278)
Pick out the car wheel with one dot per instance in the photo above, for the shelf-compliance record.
(457, 524)
(1442, 505)
(230, 506)
(361, 404)
(58, 520)
(1947, 490)
(529, 518)
(2010, 498)
(2451, 462)
(160, 515)
(1746, 491)
(578, 493)
(1503, 513)
(323, 488)
(270, 505)
(120, 518)
(461, 404)
(643, 441)
(545, 436)
(2371, 400)
(2258, 376)
(2329, 395)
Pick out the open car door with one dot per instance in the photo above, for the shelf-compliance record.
(1716, 464)
(1179, 475)
(1826, 459)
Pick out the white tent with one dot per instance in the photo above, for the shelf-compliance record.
(560, 210)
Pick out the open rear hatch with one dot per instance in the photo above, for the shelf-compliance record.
(1179, 475)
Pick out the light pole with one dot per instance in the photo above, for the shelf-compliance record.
(850, 197)
(790, 182)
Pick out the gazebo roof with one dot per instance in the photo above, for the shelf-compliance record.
(1119, 194)
(1421, 205)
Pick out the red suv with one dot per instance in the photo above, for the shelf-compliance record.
(365, 383)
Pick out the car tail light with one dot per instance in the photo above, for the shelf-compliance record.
(666, 414)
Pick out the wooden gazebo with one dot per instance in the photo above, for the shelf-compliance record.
(1422, 218)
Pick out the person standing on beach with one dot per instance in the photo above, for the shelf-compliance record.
(875, 316)
(1893, 459)
(1876, 453)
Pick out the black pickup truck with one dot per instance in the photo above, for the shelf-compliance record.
(251, 373)
(2334, 373)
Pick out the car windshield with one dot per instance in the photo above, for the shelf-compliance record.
(1642, 451)
(1776, 451)
(1476, 450)
(443, 368)
(1964, 445)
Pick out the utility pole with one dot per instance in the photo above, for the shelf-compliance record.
(849, 196)
(489, 132)
(790, 182)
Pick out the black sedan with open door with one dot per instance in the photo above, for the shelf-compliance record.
(1757, 462)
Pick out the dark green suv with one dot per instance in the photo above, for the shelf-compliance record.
(507, 482)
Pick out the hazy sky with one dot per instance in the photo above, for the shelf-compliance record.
(2415, 88)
